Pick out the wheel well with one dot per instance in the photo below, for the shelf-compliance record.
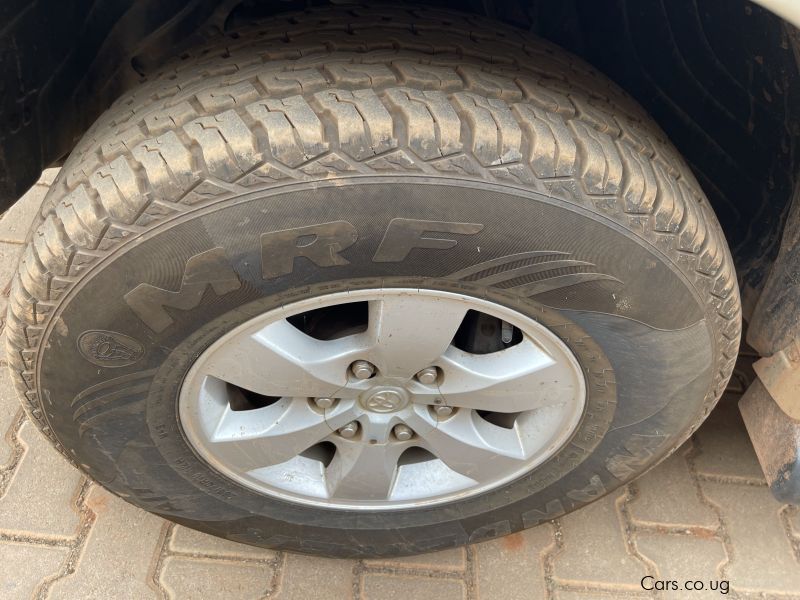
(719, 76)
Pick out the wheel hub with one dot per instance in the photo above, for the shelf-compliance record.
(394, 412)
(382, 399)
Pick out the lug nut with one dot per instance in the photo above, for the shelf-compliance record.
(349, 430)
(443, 411)
(363, 369)
(403, 433)
(428, 375)
(323, 403)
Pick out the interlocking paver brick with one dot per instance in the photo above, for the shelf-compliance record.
(312, 578)
(9, 404)
(393, 587)
(9, 255)
(190, 541)
(25, 565)
(794, 520)
(512, 567)
(594, 546)
(40, 499)
(118, 554)
(763, 558)
(680, 558)
(204, 579)
(10, 412)
(48, 176)
(588, 594)
(725, 449)
(16, 221)
(447, 559)
(668, 496)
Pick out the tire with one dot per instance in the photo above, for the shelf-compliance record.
(342, 127)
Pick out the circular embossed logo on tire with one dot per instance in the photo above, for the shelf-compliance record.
(109, 348)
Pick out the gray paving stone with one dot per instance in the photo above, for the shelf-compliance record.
(118, 555)
(16, 221)
(763, 558)
(447, 559)
(202, 579)
(669, 497)
(725, 449)
(9, 255)
(311, 578)
(394, 587)
(10, 411)
(40, 499)
(48, 176)
(682, 558)
(594, 547)
(9, 403)
(588, 594)
(25, 566)
(512, 567)
(794, 522)
(190, 541)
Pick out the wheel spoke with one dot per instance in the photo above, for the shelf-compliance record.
(280, 360)
(410, 332)
(519, 378)
(267, 436)
(475, 448)
(362, 471)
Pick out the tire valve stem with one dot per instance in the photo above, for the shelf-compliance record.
(506, 332)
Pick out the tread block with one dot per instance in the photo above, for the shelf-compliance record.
(496, 136)
(601, 165)
(669, 209)
(52, 246)
(547, 99)
(118, 190)
(428, 77)
(489, 84)
(432, 125)
(396, 160)
(216, 99)
(361, 75)
(171, 117)
(84, 219)
(294, 131)
(167, 164)
(363, 125)
(639, 186)
(227, 144)
(294, 81)
(553, 152)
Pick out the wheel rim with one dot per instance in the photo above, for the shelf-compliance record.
(387, 412)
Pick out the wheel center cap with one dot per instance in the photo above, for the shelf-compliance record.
(384, 399)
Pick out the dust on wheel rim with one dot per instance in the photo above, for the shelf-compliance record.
(389, 413)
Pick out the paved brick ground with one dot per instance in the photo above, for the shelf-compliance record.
(704, 514)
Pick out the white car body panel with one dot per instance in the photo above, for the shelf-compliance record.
(788, 9)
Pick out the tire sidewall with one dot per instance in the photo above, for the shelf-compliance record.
(642, 306)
